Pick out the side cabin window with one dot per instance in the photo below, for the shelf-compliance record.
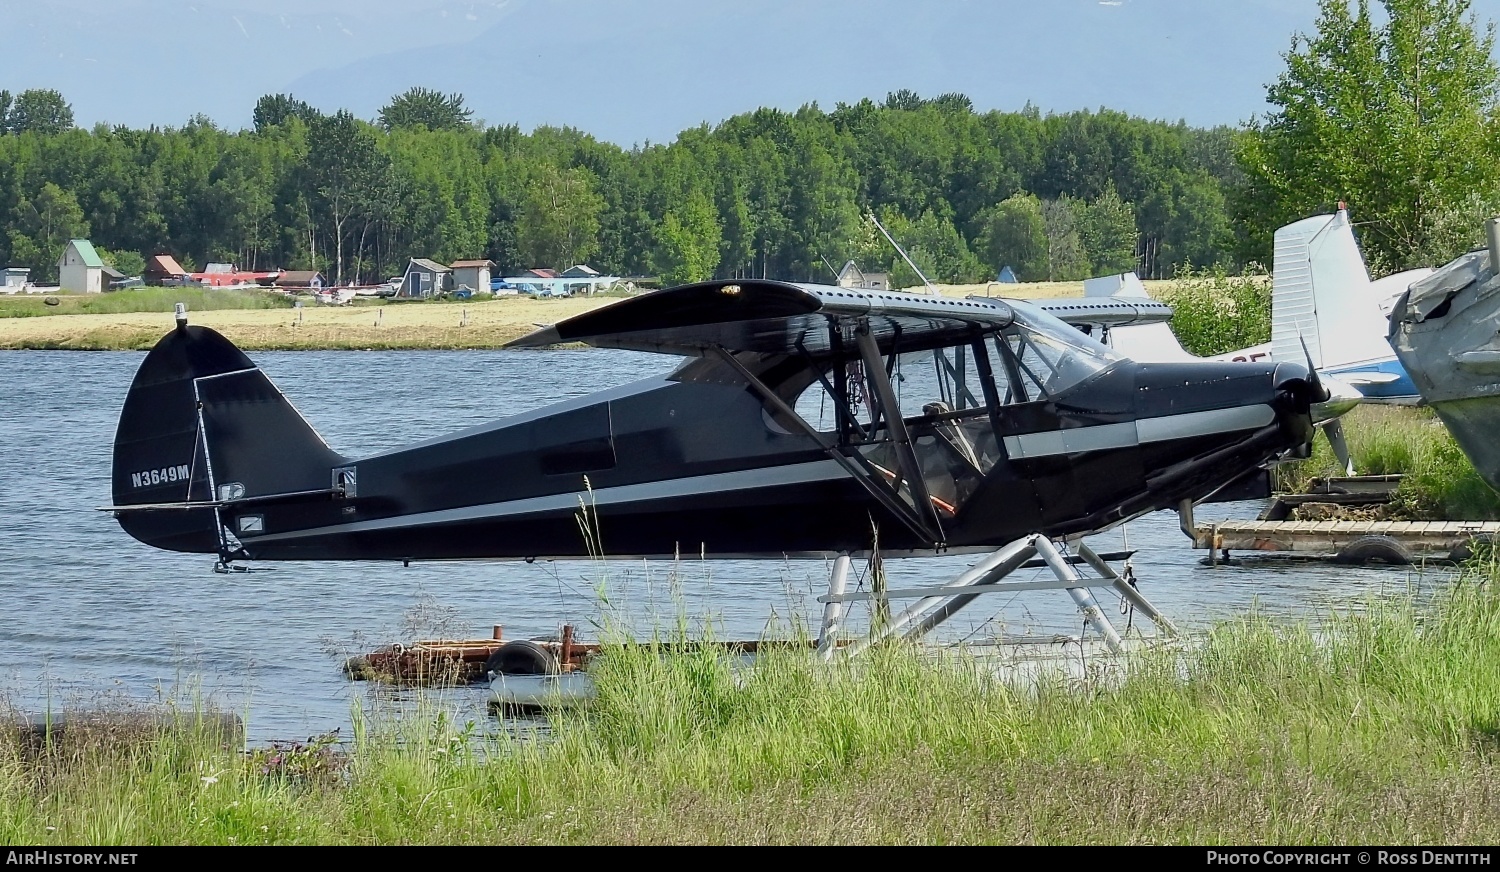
(1024, 363)
(947, 398)
(944, 397)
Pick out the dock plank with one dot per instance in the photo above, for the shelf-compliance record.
(1423, 538)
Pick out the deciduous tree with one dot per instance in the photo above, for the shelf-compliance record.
(273, 110)
(346, 168)
(1396, 117)
(1013, 233)
(1106, 228)
(424, 107)
(687, 241)
(41, 227)
(39, 110)
(559, 217)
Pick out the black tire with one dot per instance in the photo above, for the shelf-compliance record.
(522, 658)
(1374, 549)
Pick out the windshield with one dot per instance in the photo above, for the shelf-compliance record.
(1050, 355)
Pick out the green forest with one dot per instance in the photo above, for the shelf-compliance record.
(1393, 114)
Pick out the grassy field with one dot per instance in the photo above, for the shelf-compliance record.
(1378, 726)
(137, 319)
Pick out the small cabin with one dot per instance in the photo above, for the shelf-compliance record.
(163, 269)
(80, 269)
(472, 274)
(423, 279)
(852, 276)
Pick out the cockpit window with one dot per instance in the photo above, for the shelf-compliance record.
(1042, 356)
(1035, 358)
(935, 381)
(949, 401)
(942, 376)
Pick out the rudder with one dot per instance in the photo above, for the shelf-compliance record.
(201, 422)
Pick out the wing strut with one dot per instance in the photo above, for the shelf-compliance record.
(856, 465)
(905, 456)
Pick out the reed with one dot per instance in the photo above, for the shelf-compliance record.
(1374, 725)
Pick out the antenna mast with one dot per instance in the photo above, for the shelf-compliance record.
(931, 288)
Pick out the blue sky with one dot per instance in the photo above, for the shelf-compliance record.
(636, 70)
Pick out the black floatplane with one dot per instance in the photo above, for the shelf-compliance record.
(803, 418)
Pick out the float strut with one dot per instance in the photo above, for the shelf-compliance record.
(1092, 614)
(833, 610)
(923, 615)
(1123, 588)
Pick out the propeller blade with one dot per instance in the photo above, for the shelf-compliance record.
(1320, 394)
(1334, 430)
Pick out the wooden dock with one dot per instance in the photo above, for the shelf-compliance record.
(1352, 541)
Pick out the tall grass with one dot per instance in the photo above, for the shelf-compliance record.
(165, 299)
(1379, 725)
(139, 300)
(1438, 481)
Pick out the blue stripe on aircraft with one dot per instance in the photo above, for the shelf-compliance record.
(1401, 389)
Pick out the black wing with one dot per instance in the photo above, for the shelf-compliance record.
(772, 317)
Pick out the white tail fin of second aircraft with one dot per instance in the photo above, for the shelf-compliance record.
(1321, 295)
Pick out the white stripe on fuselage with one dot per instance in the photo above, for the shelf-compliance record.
(1070, 441)
(721, 482)
(1102, 437)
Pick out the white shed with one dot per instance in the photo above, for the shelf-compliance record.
(472, 274)
(80, 269)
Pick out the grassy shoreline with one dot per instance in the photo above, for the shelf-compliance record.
(1439, 481)
(1378, 726)
(482, 324)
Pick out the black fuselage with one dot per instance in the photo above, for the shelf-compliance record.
(805, 420)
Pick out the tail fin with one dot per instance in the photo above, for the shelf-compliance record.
(1143, 343)
(201, 423)
(1321, 294)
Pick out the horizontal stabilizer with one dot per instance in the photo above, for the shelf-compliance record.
(1370, 377)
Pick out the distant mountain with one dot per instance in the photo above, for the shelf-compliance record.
(633, 70)
(143, 62)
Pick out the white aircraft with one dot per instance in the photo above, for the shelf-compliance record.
(1322, 299)
(1324, 309)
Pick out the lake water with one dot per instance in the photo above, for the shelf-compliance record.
(90, 614)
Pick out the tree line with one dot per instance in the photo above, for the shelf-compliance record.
(766, 193)
(1393, 113)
